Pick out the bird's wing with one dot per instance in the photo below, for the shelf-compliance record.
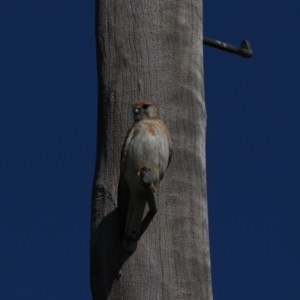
(128, 139)
(168, 135)
(123, 190)
(170, 149)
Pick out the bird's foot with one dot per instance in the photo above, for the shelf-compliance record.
(142, 171)
(152, 188)
(146, 176)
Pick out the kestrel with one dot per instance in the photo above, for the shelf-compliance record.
(146, 155)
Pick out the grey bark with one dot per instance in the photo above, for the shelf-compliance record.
(152, 50)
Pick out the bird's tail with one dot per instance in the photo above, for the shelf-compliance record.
(134, 220)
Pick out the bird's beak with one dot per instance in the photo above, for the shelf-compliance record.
(136, 111)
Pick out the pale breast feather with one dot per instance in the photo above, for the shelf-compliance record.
(149, 147)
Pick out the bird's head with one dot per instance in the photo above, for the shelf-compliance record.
(144, 109)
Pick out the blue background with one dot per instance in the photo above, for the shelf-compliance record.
(48, 132)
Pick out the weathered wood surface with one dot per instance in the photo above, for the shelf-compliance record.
(152, 50)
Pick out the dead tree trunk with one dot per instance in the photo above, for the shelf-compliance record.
(152, 50)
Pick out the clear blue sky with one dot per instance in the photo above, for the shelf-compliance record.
(48, 131)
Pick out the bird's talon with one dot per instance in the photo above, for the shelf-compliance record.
(152, 188)
(143, 169)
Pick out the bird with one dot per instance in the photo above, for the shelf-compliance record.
(146, 155)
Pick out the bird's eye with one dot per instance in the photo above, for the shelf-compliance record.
(145, 106)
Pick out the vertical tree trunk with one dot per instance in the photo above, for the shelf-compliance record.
(152, 50)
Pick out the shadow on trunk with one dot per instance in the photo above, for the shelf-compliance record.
(107, 266)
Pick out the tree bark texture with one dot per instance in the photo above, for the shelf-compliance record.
(152, 50)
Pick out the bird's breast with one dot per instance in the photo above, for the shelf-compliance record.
(149, 147)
